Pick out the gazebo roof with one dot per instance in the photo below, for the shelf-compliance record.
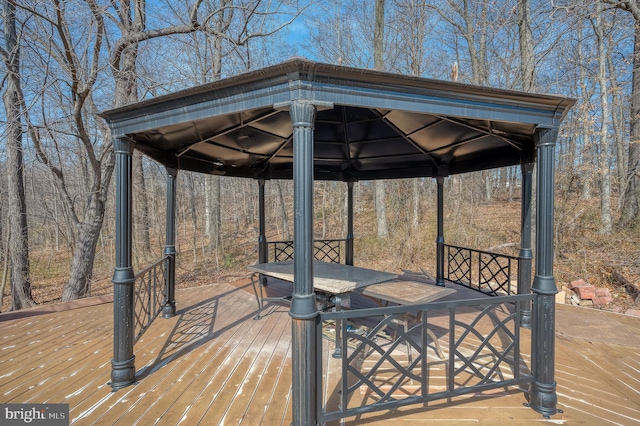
(369, 125)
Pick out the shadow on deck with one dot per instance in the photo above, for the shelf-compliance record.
(213, 364)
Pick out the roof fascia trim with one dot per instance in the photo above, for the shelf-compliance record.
(427, 102)
(138, 121)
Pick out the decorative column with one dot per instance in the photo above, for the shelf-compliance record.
(169, 308)
(349, 243)
(263, 254)
(123, 368)
(304, 312)
(440, 237)
(542, 393)
(525, 256)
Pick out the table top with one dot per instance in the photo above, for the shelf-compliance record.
(334, 278)
(406, 292)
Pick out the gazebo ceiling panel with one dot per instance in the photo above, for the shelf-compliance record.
(444, 134)
(249, 140)
(277, 123)
(331, 151)
(409, 123)
(391, 147)
(368, 125)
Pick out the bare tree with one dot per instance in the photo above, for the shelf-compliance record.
(604, 174)
(378, 63)
(17, 208)
(58, 41)
(617, 114)
(630, 212)
(286, 233)
(412, 26)
(220, 23)
(469, 19)
(527, 58)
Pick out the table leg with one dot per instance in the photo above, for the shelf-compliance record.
(338, 307)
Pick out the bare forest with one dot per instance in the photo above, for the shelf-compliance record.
(63, 62)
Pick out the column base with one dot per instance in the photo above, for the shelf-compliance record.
(169, 310)
(525, 319)
(543, 398)
(123, 373)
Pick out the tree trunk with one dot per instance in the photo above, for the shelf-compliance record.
(603, 155)
(488, 185)
(194, 217)
(527, 60)
(81, 273)
(17, 208)
(378, 64)
(415, 217)
(381, 209)
(584, 126)
(323, 209)
(283, 211)
(511, 182)
(208, 206)
(617, 119)
(216, 218)
(630, 213)
(142, 218)
(5, 265)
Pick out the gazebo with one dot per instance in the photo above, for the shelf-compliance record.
(307, 121)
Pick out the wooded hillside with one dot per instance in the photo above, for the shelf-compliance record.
(66, 61)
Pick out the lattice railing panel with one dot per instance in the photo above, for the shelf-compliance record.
(324, 250)
(487, 357)
(495, 273)
(492, 273)
(282, 250)
(327, 250)
(459, 260)
(388, 363)
(148, 296)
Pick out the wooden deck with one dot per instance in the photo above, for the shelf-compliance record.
(213, 364)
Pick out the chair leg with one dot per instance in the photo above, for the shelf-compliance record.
(436, 342)
(406, 341)
(257, 284)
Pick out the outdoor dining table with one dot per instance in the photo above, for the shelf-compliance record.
(333, 281)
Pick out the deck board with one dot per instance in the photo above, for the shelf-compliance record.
(213, 364)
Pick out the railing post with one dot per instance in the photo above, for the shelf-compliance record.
(123, 368)
(542, 393)
(525, 256)
(479, 269)
(263, 251)
(470, 272)
(349, 243)
(440, 237)
(263, 247)
(150, 284)
(303, 312)
(169, 308)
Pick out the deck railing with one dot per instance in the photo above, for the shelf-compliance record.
(148, 296)
(324, 250)
(385, 365)
(491, 273)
